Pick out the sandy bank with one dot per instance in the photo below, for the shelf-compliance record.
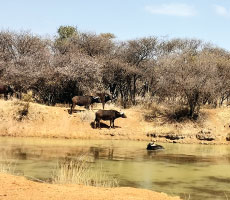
(15, 187)
(56, 122)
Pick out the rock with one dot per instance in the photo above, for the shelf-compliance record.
(170, 136)
(174, 137)
(228, 137)
(151, 135)
(205, 135)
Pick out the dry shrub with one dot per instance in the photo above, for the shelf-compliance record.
(170, 113)
(178, 113)
(155, 111)
(80, 171)
(21, 110)
(181, 113)
(86, 116)
(28, 97)
(7, 166)
(147, 101)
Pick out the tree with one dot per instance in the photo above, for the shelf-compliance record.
(136, 53)
(95, 45)
(187, 78)
(117, 76)
(66, 32)
(28, 57)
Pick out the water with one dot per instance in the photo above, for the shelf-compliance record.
(193, 172)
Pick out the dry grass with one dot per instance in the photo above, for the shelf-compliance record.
(142, 120)
(7, 166)
(29, 119)
(170, 113)
(86, 116)
(55, 122)
(80, 171)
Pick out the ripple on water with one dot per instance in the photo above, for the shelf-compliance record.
(219, 179)
(167, 183)
(208, 192)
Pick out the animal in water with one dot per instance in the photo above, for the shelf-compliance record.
(104, 97)
(153, 146)
(85, 101)
(5, 89)
(110, 115)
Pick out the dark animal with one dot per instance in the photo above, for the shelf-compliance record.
(85, 101)
(5, 89)
(110, 115)
(152, 146)
(104, 97)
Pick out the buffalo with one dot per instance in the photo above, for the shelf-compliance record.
(153, 146)
(107, 115)
(85, 101)
(5, 89)
(104, 97)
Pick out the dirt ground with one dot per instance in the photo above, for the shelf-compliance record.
(14, 187)
(56, 122)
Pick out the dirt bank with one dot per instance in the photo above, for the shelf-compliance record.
(15, 187)
(56, 122)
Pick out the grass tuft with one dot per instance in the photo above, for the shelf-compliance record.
(80, 171)
(7, 166)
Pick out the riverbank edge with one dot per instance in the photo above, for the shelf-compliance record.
(18, 187)
(147, 140)
(55, 122)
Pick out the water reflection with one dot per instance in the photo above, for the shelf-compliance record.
(209, 192)
(99, 152)
(219, 179)
(194, 170)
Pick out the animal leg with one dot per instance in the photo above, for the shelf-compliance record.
(113, 123)
(99, 124)
(72, 107)
(5, 96)
(95, 124)
(103, 106)
(110, 124)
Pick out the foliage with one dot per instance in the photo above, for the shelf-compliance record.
(188, 72)
(66, 31)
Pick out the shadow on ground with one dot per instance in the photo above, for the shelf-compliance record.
(103, 125)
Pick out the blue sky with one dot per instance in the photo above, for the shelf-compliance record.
(127, 19)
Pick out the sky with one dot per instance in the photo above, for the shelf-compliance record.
(208, 20)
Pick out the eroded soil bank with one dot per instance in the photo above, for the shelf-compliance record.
(35, 120)
(15, 187)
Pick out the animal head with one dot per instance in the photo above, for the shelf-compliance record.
(9, 90)
(123, 115)
(114, 97)
(107, 97)
(96, 99)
